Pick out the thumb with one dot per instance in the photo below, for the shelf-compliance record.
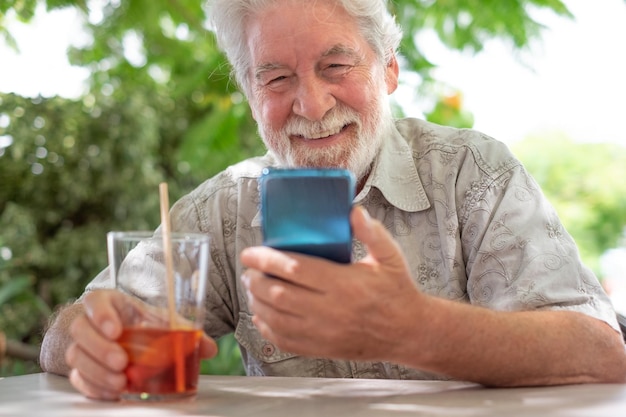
(379, 243)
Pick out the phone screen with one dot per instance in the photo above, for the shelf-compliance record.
(307, 210)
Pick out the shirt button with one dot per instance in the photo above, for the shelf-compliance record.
(268, 349)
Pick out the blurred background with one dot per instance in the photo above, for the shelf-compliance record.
(100, 101)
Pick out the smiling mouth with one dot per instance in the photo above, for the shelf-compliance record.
(323, 135)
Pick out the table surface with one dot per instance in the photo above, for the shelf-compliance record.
(49, 395)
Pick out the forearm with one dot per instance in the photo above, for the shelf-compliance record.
(56, 340)
(516, 348)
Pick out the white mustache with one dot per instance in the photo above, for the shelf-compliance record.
(331, 124)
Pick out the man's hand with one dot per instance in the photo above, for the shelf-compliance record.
(371, 310)
(319, 308)
(95, 360)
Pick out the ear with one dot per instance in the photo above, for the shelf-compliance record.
(253, 108)
(253, 111)
(391, 74)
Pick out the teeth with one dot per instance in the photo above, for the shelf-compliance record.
(324, 134)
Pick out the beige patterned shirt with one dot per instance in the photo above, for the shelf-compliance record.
(473, 224)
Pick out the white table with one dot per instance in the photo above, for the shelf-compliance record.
(48, 395)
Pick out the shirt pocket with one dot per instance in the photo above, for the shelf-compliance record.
(262, 357)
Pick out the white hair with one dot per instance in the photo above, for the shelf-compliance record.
(228, 17)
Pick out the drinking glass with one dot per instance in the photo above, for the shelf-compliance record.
(165, 283)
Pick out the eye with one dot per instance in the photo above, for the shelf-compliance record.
(337, 69)
(276, 80)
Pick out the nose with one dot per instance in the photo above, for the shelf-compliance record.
(313, 98)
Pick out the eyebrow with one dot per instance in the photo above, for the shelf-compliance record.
(341, 49)
(263, 68)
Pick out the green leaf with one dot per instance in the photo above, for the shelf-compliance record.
(13, 288)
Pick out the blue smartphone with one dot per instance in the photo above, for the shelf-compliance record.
(307, 210)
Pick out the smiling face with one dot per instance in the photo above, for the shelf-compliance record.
(317, 89)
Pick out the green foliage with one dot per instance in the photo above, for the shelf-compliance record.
(449, 111)
(227, 361)
(176, 47)
(585, 183)
(22, 312)
(468, 24)
(204, 122)
(11, 367)
(75, 170)
(65, 184)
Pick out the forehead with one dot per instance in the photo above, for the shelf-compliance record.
(289, 29)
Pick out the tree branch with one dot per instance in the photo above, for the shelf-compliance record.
(17, 350)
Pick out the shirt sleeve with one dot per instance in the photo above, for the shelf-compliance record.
(520, 257)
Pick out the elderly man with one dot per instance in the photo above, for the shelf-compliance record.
(461, 268)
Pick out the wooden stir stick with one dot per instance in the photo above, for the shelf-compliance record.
(169, 271)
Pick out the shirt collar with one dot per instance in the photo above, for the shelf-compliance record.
(395, 175)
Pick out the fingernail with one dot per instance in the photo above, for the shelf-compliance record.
(116, 381)
(366, 214)
(248, 251)
(108, 328)
(116, 360)
(366, 217)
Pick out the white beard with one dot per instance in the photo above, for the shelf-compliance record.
(355, 154)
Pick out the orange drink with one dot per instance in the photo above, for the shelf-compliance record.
(161, 362)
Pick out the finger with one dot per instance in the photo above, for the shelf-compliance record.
(90, 390)
(293, 268)
(277, 294)
(286, 332)
(284, 318)
(93, 372)
(379, 242)
(107, 353)
(208, 347)
(268, 260)
(103, 310)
